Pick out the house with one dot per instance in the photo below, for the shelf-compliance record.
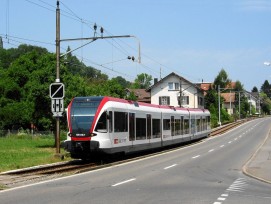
(229, 96)
(174, 90)
(141, 94)
(229, 99)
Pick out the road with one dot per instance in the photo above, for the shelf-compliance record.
(207, 172)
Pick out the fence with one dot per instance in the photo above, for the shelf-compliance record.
(7, 133)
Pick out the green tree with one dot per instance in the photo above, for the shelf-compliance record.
(222, 79)
(265, 88)
(254, 90)
(142, 81)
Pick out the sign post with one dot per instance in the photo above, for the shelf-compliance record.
(57, 93)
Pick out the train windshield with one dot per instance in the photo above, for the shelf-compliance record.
(82, 115)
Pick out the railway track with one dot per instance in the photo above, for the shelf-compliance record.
(40, 173)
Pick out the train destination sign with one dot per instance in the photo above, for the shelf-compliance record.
(57, 91)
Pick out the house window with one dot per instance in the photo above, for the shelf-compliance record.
(170, 86)
(173, 86)
(185, 100)
(177, 86)
(164, 100)
(200, 101)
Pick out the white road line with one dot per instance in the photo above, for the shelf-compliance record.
(224, 195)
(235, 138)
(217, 203)
(222, 145)
(211, 150)
(195, 157)
(170, 166)
(123, 182)
(221, 198)
(230, 142)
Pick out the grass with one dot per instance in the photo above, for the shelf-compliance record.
(20, 151)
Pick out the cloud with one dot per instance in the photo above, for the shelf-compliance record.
(256, 5)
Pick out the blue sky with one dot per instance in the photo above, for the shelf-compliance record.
(193, 38)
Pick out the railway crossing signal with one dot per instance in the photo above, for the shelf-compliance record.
(57, 91)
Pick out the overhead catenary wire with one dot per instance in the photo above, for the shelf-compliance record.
(118, 43)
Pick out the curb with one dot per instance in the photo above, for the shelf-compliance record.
(245, 167)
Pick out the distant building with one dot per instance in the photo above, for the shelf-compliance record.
(141, 94)
(174, 90)
(229, 96)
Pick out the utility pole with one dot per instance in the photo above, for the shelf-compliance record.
(57, 133)
(57, 89)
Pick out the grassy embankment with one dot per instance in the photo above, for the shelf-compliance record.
(20, 151)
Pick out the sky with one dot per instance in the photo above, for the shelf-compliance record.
(193, 38)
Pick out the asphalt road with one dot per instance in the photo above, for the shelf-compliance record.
(208, 172)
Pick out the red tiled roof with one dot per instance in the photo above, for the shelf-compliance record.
(229, 97)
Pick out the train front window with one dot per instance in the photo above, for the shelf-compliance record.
(82, 115)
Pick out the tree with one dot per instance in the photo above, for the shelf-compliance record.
(254, 90)
(143, 81)
(222, 79)
(265, 88)
(125, 84)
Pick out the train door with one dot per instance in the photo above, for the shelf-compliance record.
(110, 124)
(132, 127)
(172, 125)
(149, 127)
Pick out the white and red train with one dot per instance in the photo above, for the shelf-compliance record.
(112, 125)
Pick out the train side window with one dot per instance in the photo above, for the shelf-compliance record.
(177, 126)
(120, 121)
(182, 125)
(140, 128)
(186, 126)
(101, 124)
(149, 126)
(156, 128)
(131, 126)
(166, 124)
(172, 125)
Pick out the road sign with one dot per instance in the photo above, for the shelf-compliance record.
(57, 91)
(57, 107)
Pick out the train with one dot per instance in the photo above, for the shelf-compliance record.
(108, 125)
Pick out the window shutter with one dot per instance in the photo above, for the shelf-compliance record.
(160, 100)
(168, 100)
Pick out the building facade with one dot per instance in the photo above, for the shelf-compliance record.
(174, 90)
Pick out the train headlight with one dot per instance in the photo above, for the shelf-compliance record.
(92, 134)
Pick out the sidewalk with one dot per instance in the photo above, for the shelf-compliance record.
(259, 165)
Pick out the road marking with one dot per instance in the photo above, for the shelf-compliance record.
(235, 138)
(195, 157)
(222, 145)
(238, 185)
(170, 166)
(211, 150)
(123, 182)
(230, 142)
